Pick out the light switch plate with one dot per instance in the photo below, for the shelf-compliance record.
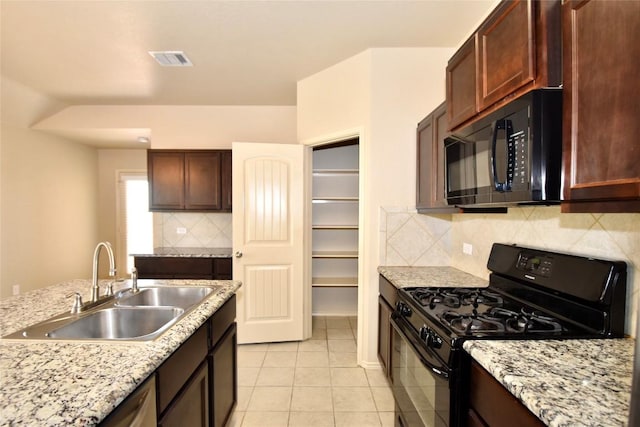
(467, 248)
(181, 230)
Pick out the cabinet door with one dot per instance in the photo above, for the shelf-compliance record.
(191, 406)
(222, 269)
(203, 180)
(601, 108)
(224, 378)
(492, 403)
(430, 183)
(461, 84)
(165, 170)
(174, 268)
(226, 201)
(506, 51)
(384, 335)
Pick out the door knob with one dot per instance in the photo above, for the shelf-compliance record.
(238, 254)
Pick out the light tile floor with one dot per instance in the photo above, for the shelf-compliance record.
(311, 383)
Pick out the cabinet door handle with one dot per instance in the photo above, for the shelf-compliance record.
(238, 254)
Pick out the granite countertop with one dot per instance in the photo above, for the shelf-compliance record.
(405, 277)
(79, 383)
(564, 383)
(188, 253)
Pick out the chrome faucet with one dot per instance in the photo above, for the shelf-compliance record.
(134, 280)
(95, 289)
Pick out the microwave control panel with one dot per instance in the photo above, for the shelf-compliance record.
(518, 173)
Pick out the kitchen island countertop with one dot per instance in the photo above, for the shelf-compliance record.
(564, 383)
(52, 383)
(187, 253)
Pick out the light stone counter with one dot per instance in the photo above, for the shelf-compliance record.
(188, 253)
(405, 277)
(54, 383)
(564, 383)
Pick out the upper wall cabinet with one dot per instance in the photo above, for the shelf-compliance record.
(189, 180)
(430, 182)
(601, 108)
(516, 49)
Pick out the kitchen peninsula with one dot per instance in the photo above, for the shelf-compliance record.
(81, 382)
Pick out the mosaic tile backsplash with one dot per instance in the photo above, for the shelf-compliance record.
(202, 230)
(411, 239)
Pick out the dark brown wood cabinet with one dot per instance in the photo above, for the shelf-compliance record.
(462, 103)
(198, 384)
(189, 180)
(184, 268)
(386, 302)
(191, 406)
(601, 110)
(491, 405)
(223, 367)
(226, 183)
(430, 182)
(516, 49)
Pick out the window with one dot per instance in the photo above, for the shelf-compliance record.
(134, 222)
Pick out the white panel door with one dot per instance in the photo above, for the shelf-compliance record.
(268, 242)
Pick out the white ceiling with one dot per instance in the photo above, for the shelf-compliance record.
(244, 52)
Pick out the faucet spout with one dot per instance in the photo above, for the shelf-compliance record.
(95, 289)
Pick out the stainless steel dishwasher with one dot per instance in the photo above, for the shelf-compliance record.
(137, 410)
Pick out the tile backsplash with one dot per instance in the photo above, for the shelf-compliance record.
(411, 239)
(206, 230)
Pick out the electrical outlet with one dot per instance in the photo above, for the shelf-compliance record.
(467, 248)
(16, 289)
(181, 230)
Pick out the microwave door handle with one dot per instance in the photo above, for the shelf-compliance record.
(507, 126)
(499, 186)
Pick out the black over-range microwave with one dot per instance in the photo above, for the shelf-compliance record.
(511, 156)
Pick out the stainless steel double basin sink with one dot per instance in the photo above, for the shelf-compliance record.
(127, 316)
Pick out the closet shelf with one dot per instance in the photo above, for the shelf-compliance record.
(334, 227)
(333, 199)
(318, 172)
(335, 254)
(334, 282)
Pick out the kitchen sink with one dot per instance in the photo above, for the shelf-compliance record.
(178, 296)
(129, 315)
(120, 323)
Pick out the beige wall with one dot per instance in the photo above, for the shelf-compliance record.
(48, 198)
(110, 162)
(380, 94)
(181, 126)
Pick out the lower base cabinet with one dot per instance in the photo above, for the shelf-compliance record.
(158, 267)
(223, 369)
(191, 406)
(492, 405)
(386, 302)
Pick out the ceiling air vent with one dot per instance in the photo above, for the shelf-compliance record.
(174, 58)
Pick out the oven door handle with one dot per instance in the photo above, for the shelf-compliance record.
(436, 370)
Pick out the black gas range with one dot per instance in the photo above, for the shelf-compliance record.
(532, 294)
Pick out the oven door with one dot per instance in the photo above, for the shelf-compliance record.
(420, 381)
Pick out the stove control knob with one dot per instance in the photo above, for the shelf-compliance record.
(435, 341)
(424, 334)
(403, 309)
